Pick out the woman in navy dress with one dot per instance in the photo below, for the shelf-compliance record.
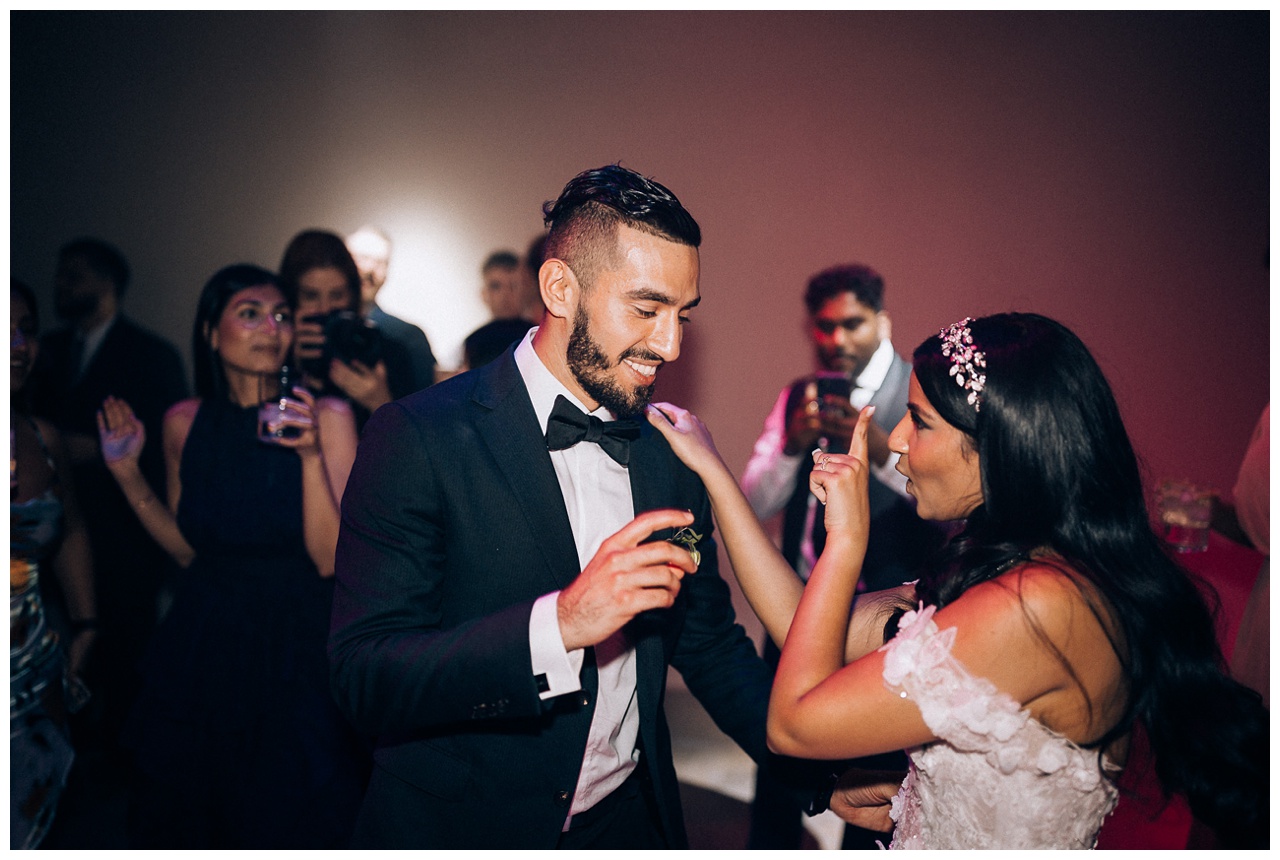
(237, 740)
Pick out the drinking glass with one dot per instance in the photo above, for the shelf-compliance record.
(276, 407)
(1185, 512)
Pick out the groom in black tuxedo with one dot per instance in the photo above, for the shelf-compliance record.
(506, 609)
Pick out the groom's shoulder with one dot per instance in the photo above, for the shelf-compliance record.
(462, 397)
(444, 395)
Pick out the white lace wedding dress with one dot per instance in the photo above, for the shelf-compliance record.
(996, 778)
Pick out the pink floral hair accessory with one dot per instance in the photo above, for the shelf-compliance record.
(957, 344)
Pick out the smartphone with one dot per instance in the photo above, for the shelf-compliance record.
(839, 386)
(833, 384)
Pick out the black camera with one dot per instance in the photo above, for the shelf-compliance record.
(348, 337)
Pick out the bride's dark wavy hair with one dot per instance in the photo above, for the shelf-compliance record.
(1058, 471)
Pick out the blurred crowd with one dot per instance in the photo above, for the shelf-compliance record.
(171, 556)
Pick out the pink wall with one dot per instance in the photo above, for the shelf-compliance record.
(1107, 170)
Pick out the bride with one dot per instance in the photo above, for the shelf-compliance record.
(1018, 664)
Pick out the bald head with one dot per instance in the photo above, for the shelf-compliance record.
(371, 249)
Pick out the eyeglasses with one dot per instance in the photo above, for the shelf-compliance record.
(252, 318)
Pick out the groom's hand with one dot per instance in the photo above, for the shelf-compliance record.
(863, 798)
(624, 578)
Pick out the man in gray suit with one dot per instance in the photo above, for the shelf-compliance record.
(856, 365)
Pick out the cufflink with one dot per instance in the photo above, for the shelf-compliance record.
(821, 802)
(541, 680)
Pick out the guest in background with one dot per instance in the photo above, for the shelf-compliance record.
(370, 247)
(101, 353)
(47, 654)
(320, 279)
(850, 331)
(238, 741)
(503, 292)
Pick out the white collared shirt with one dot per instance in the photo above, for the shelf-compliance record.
(92, 341)
(597, 496)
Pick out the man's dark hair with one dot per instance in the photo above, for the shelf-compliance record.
(583, 221)
(103, 258)
(501, 260)
(864, 282)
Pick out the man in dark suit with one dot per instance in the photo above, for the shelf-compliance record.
(857, 365)
(101, 352)
(503, 620)
(503, 292)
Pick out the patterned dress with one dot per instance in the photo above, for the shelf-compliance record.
(40, 752)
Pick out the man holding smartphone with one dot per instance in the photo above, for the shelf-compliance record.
(856, 365)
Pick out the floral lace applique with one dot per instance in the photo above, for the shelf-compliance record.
(996, 778)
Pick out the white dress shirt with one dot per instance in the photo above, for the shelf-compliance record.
(92, 341)
(597, 496)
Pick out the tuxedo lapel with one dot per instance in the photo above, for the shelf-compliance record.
(509, 427)
(650, 488)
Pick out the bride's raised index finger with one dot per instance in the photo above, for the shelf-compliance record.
(858, 444)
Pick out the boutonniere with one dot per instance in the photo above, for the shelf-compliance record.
(688, 539)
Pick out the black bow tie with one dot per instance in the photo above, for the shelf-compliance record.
(569, 425)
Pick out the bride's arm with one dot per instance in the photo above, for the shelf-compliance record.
(822, 705)
(815, 652)
(769, 583)
(871, 612)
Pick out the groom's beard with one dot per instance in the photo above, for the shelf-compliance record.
(592, 369)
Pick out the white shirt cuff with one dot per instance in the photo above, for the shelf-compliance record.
(555, 669)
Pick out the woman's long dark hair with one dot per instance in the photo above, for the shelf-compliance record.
(1058, 472)
(20, 400)
(318, 249)
(211, 379)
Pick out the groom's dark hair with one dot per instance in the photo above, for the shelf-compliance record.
(582, 222)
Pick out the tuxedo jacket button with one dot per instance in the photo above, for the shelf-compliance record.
(563, 797)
